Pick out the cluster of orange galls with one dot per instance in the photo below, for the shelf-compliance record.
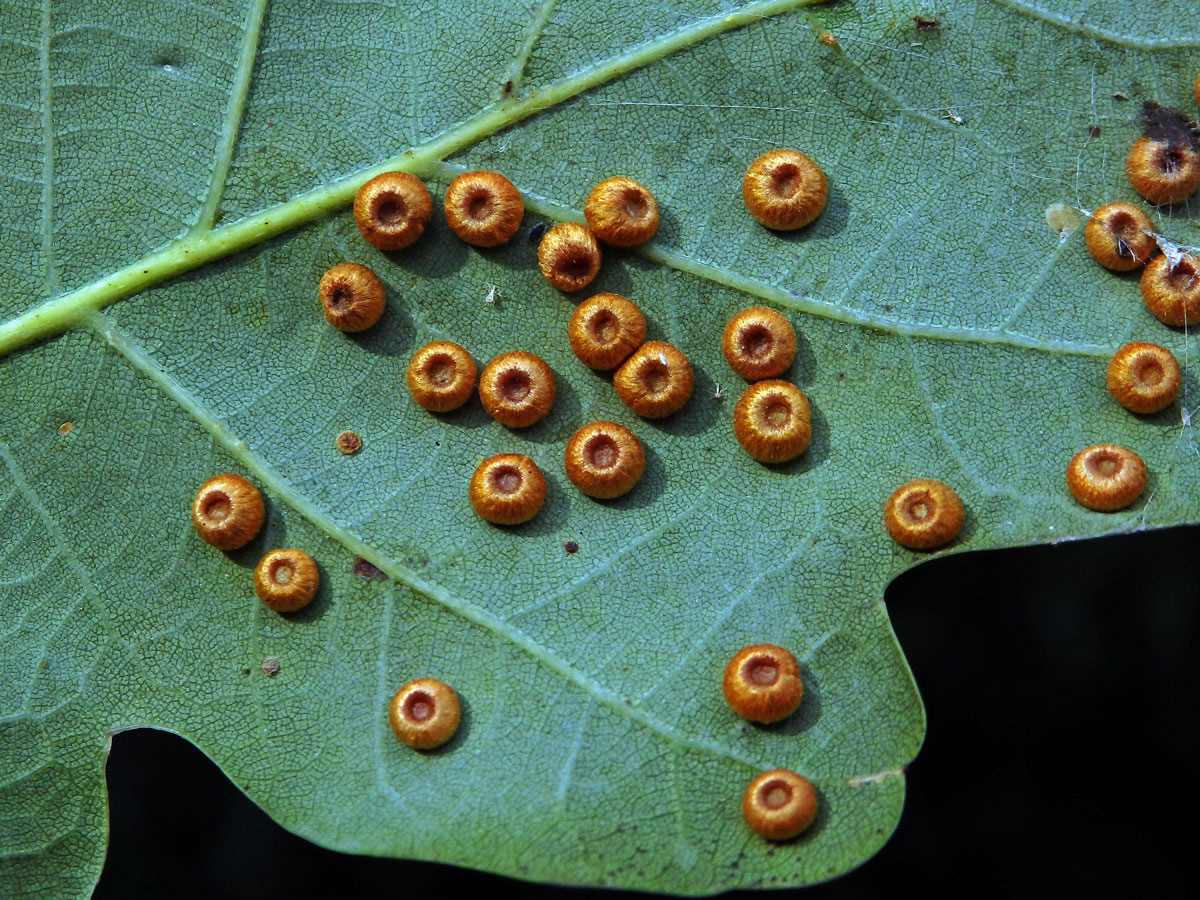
(1163, 165)
(783, 190)
(228, 512)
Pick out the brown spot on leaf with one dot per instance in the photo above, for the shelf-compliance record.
(364, 569)
(349, 443)
(65, 427)
(570, 546)
(924, 24)
(1170, 126)
(1094, 131)
(270, 667)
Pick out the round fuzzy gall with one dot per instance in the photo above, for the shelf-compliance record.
(762, 683)
(1143, 377)
(569, 256)
(1120, 237)
(779, 804)
(773, 421)
(508, 489)
(1172, 293)
(483, 208)
(605, 460)
(227, 512)
(392, 209)
(1163, 171)
(621, 212)
(441, 376)
(655, 381)
(517, 388)
(424, 713)
(784, 190)
(352, 297)
(1106, 477)
(605, 329)
(923, 514)
(286, 580)
(759, 343)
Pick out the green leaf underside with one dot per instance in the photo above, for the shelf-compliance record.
(194, 164)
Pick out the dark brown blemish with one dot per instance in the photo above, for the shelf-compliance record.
(1094, 131)
(570, 546)
(1170, 126)
(364, 569)
(924, 24)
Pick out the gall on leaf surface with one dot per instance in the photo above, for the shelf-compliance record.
(178, 180)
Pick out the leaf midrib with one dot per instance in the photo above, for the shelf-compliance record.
(203, 244)
(197, 248)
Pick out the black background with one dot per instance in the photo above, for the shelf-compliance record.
(1062, 754)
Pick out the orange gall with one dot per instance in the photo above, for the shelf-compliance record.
(1106, 477)
(779, 804)
(1144, 377)
(424, 713)
(227, 512)
(923, 514)
(784, 190)
(569, 256)
(621, 212)
(762, 683)
(483, 208)
(392, 209)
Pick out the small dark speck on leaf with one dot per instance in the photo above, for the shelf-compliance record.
(508, 87)
(1120, 95)
(245, 671)
(536, 232)
(570, 546)
(364, 569)
(924, 24)
(1094, 131)
(270, 667)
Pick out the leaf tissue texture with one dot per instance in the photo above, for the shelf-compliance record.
(177, 178)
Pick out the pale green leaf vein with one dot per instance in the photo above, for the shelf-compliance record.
(1122, 39)
(51, 273)
(533, 33)
(230, 128)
